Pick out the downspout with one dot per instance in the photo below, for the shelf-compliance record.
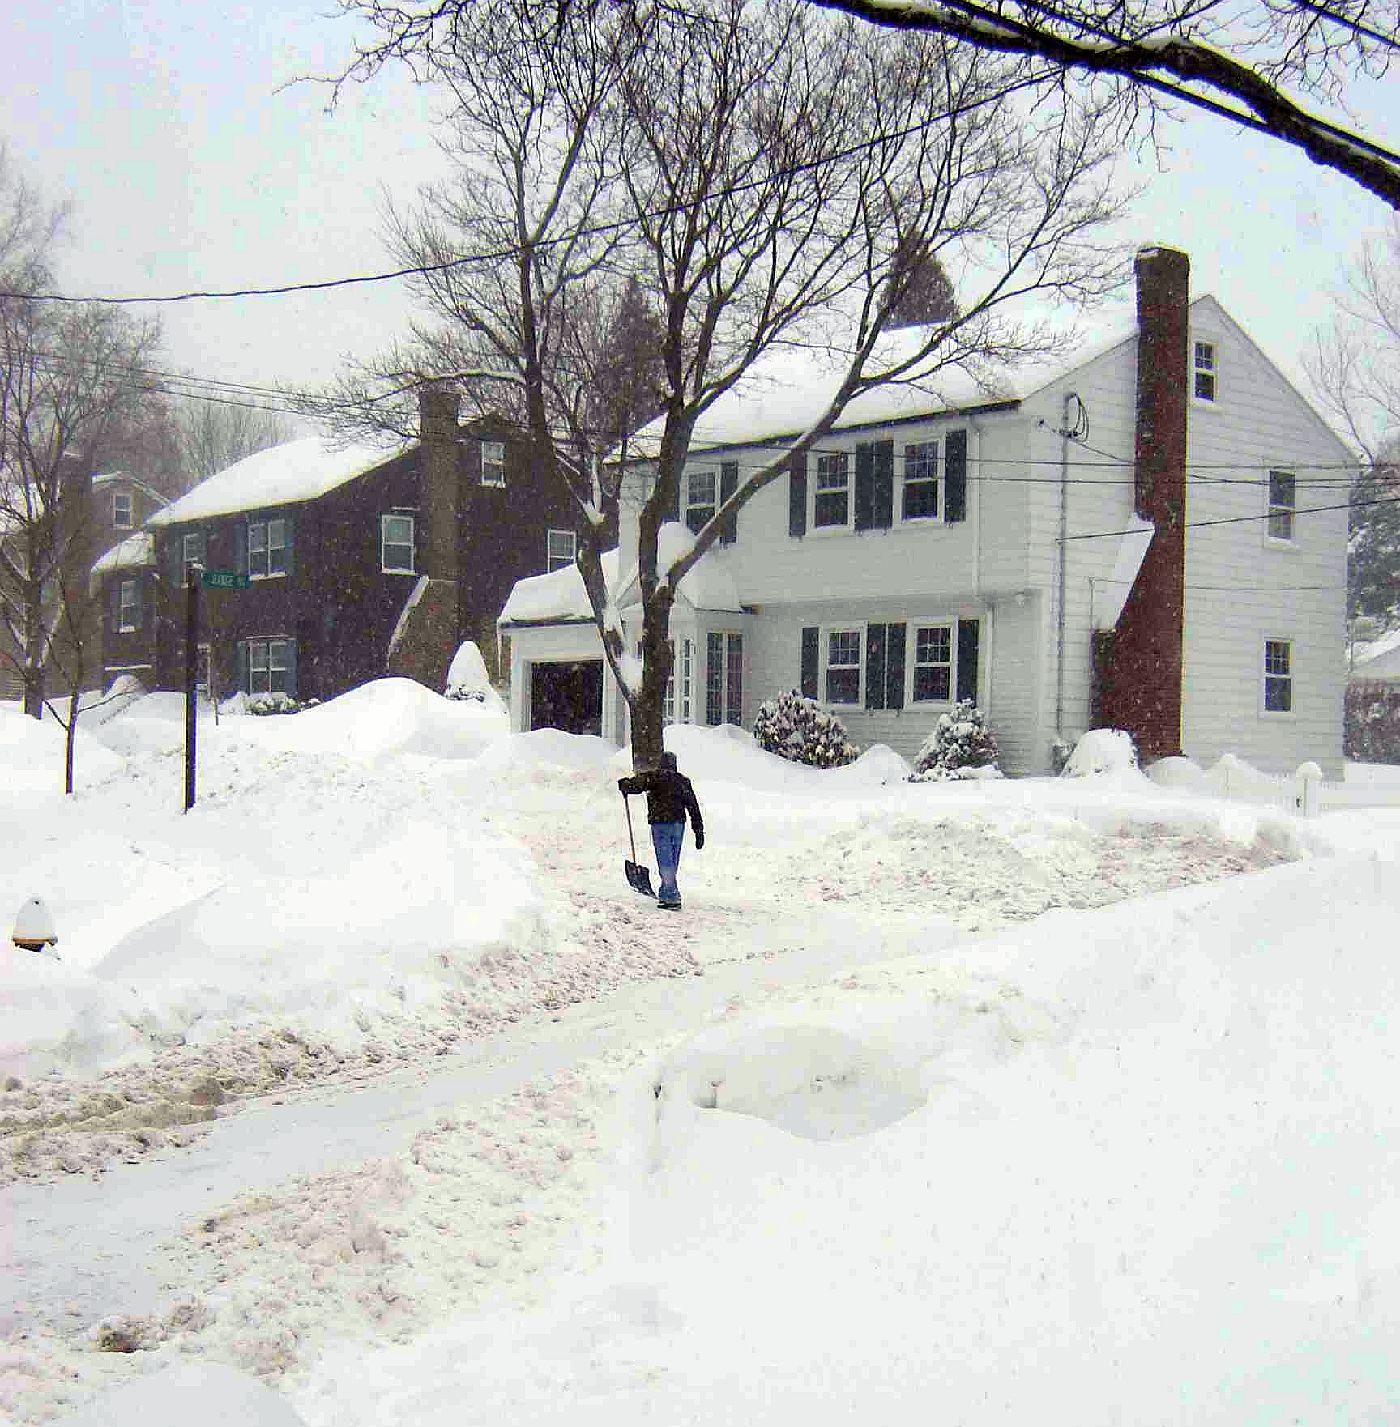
(1066, 431)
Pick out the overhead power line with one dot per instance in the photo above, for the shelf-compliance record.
(1239, 519)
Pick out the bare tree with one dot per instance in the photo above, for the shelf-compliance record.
(64, 384)
(212, 435)
(1227, 58)
(770, 176)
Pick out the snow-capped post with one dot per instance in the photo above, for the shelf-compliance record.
(34, 926)
(193, 572)
(1309, 799)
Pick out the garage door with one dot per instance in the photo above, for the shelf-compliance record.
(568, 696)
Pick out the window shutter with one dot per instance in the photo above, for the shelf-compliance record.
(797, 501)
(292, 665)
(138, 611)
(875, 666)
(895, 636)
(290, 529)
(175, 562)
(810, 637)
(240, 565)
(969, 631)
(728, 484)
(114, 602)
(955, 476)
(241, 652)
(883, 514)
(865, 486)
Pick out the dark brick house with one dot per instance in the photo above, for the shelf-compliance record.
(361, 561)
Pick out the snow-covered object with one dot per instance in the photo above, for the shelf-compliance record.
(961, 745)
(468, 681)
(282, 475)
(133, 553)
(34, 922)
(189, 1394)
(556, 598)
(1183, 773)
(1101, 750)
(801, 731)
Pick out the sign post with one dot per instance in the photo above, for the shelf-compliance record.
(192, 583)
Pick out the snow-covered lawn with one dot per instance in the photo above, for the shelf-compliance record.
(986, 1102)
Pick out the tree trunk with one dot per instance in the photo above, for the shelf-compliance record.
(70, 741)
(34, 693)
(649, 706)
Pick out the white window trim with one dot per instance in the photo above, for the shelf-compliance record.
(130, 521)
(267, 641)
(911, 647)
(1292, 711)
(687, 505)
(385, 568)
(269, 574)
(1208, 402)
(1272, 541)
(186, 559)
(825, 632)
(812, 527)
(549, 556)
(498, 446)
(939, 443)
(126, 623)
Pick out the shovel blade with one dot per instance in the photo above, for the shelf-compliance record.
(638, 878)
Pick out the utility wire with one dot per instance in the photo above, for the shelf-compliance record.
(1238, 519)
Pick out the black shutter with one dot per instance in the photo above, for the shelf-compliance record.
(810, 636)
(240, 558)
(241, 649)
(114, 601)
(875, 666)
(895, 635)
(865, 486)
(797, 496)
(955, 476)
(138, 610)
(290, 531)
(883, 515)
(292, 668)
(969, 631)
(728, 484)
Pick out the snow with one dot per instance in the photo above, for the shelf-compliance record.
(135, 552)
(367, 1092)
(468, 680)
(1102, 750)
(555, 597)
(281, 475)
(1379, 659)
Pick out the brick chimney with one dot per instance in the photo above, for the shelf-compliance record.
(429, 627)
(1140, 664)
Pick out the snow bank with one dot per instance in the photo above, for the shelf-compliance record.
(32, 757)
(209, 1394)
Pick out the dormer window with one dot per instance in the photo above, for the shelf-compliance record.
(1205, 373)
(121, 510)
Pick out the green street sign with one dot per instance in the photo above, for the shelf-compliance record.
(223, 580)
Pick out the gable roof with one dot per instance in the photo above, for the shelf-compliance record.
(107, 478)
(290, 474)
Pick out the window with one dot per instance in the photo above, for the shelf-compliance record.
(121, 510)
(843, 666)
(724, 674)
(191, 550)
(126, 607)
(267, 548)
(561, 548)
(1204, 373)
(699, 499)
(921, 481)
(493, 463)
(1283, 502)
(396, 544)
(1278, 676)
(933, 663)
(832, 501)
(687, 680)
(269, 666)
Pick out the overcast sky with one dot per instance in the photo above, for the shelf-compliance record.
(193, 161)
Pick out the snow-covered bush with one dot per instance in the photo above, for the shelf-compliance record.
(1371, 732)
(467, 679)
(801, 731)
(276, 704)
(960, 746)
(1101, 750)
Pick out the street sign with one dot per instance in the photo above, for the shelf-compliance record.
(223, 580)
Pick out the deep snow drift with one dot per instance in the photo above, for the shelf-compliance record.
(932, 1095)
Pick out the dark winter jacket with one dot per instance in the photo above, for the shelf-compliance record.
(669, 797)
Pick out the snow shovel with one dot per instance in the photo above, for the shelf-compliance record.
(638, 877)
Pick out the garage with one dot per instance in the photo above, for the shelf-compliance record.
(568, 695)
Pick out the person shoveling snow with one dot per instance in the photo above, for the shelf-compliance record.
(670, 796)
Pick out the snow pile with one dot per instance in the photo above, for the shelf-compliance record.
(32, 755)
(1101, 750)
(207, 1393)
(468, 681)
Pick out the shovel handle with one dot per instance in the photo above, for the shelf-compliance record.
(632, 842)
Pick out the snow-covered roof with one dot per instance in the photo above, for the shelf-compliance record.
(787, 390)
(556, 598)
(708, 586)
(132, 553)
(282, 475)
(1380, 659)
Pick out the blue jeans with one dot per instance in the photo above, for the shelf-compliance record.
(666, 838)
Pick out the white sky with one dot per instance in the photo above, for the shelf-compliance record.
(190, 165)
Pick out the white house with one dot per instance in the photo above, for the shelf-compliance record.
(1125, 537)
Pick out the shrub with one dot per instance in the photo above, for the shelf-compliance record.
(960, 742)
(277, 704)
(1372, 723)
(802, 732)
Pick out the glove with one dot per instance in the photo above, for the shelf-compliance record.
(699, 841)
